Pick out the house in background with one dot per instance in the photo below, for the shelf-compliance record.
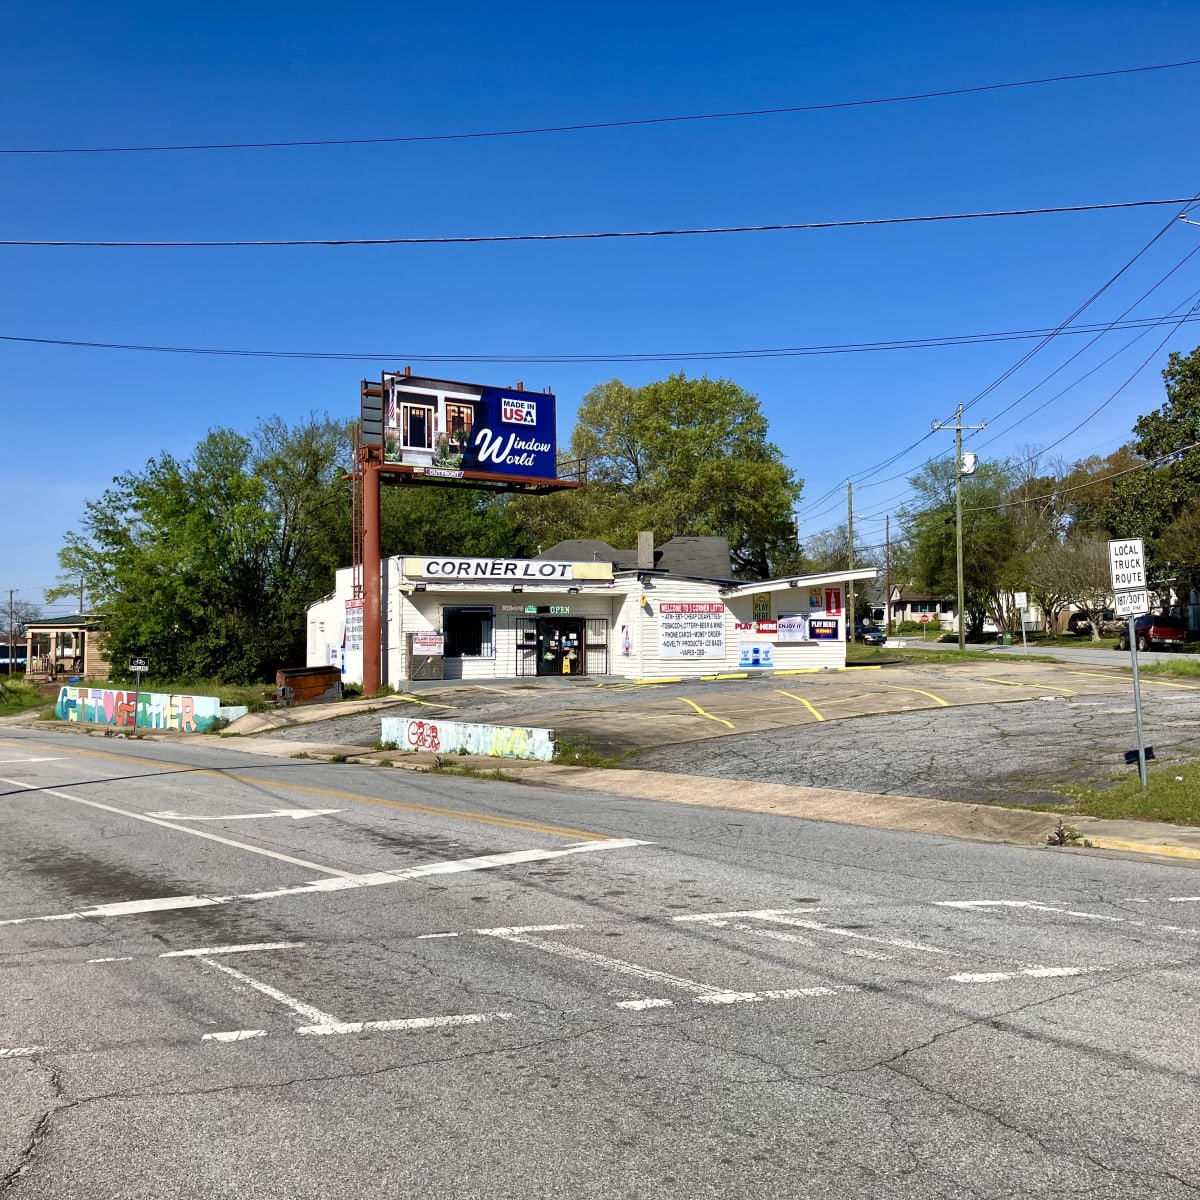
(62, 647)
(907, 604)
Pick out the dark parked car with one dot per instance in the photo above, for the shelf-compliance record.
(1155, 631)
(869, 634)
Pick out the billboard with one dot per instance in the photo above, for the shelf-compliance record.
(449, 430)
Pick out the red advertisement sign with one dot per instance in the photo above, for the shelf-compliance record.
(833, 601)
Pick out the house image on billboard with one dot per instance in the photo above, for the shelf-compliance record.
(583, 608)
(439, 427)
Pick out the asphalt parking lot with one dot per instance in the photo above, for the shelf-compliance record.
(1000, 730)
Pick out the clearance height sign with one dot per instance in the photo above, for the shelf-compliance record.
(691, 630)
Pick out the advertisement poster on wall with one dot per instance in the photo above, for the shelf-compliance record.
(816, 600)
(762, 606)
(691, 630)
(823, 629)
(792, 627)
(354, 625)
(448, 429)
(756, 654)
(833, 601)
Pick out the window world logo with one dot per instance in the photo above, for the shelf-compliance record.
(518, 412)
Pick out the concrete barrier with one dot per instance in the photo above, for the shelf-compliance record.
(451, 737)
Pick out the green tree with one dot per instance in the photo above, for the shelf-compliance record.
(1158, 504)
(994, 539)
(679, 457)
(207, 565)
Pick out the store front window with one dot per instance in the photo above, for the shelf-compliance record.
(470, 631)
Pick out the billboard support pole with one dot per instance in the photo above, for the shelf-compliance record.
(372, 576)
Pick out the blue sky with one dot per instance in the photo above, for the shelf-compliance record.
(129, 74)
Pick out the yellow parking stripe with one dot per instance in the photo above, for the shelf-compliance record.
(426, 703)
(705, 714)
(1187, 687)
(1045, 687)
(802, 701)
(936, 699)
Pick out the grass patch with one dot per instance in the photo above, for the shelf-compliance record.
(859, 653)
(1172, 794)
(442, 766)
(584, 754)
(1182, 668)
(18, 696)
(257, 697)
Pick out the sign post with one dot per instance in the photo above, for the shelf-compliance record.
(1127, 569)
(138, 666)
(1022, 603)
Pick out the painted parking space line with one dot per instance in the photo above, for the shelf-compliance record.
(1029, 904)
(200, 833)
(936, 699)
(706, 714)
(234, 1035)
(1027, 973)
(402, 1024)
(244, 948)
(20, 1051)
(30, 760)
(483, 862)
(1044, 687)
(314, 1015)
(774, 994)
(1187, 687)
(801, 699)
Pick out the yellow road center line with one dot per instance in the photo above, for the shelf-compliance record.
(936, 699)
(1045, 687)
(431, 810)
(706, 714)
(1187, 687)
(802, 700)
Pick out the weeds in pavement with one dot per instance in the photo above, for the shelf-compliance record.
(301, 754)
(441, 766)
(1172, 794)
(584, 754)
(1066, 835)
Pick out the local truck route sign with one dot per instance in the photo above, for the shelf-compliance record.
(1127, 564)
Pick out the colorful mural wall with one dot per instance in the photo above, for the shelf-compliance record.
(136, 710)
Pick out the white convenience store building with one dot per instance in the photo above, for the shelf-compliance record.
(481, 618)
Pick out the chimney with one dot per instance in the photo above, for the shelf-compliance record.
(645, 548)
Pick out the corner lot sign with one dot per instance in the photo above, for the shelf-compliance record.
(1127, 564)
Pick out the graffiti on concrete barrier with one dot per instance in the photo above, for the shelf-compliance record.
(136, 710)
(450, 737)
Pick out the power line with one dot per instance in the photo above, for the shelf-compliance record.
(596, 235)
(737, 114)
(927, 343)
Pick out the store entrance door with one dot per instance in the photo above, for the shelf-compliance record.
(560, 646)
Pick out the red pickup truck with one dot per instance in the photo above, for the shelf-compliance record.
(1155, 631)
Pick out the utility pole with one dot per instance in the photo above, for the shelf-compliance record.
(10, 630)
(958, 428)
(850, 559)
(887, 571)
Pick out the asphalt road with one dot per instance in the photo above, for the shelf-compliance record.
(449, 987)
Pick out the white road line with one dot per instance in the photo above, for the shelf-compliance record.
(21, 1051)
(639, 1005)
(296, 814)
(510, 930)
(234, 1035)
(612, 964)
(1069, 912)
(212, 837)
(1001, 976)
(777, 994)
(374, 879)
(777, 935)
(1183, 899)
(29, 760)
(128, 958)
(422, 936)
(329, 1028)
(315, 1015)
(746, 912)
(780, 916)
(245, 948)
